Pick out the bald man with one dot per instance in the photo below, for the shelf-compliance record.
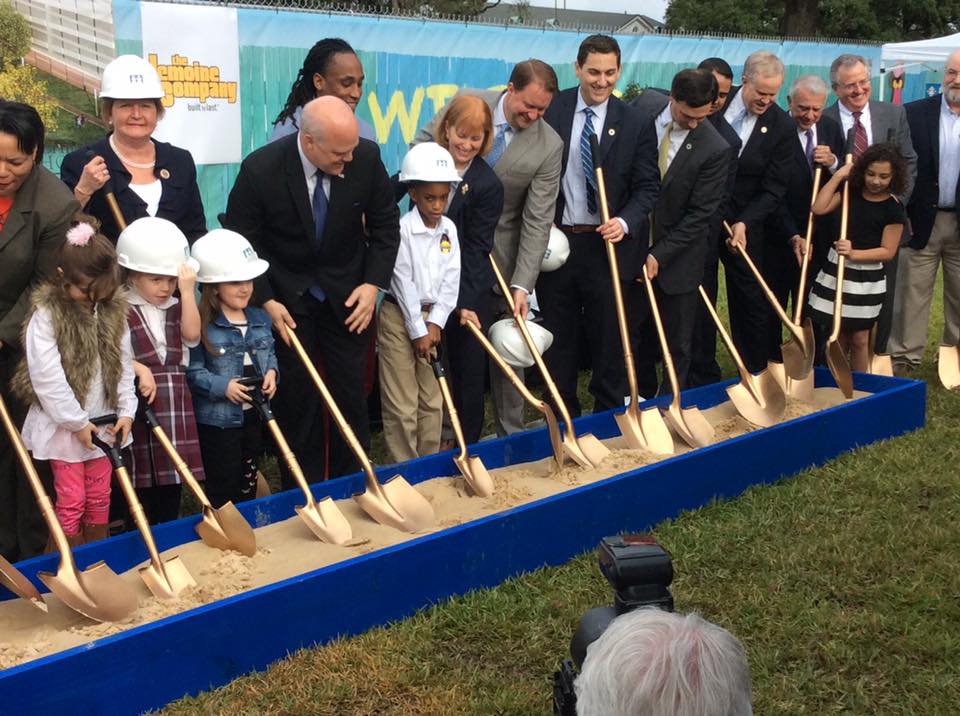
(319, 207)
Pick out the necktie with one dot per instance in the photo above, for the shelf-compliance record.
(319, 222)
(586, 160)
(860, 142)
(664, 156)
(499, 144)
(809, 148)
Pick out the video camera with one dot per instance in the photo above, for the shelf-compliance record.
(640, 572)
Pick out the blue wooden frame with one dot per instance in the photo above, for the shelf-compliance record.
(151, 665)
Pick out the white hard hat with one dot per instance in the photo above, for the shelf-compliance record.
(558, 249)
(507, 339)
(152, 245)
(428, 162)
(224, 256)
(130, 77)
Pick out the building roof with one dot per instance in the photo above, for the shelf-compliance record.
(589, 19)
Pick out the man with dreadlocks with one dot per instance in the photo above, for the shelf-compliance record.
(330, 68)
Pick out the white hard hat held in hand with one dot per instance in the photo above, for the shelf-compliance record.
(130, 77)
(558, 250)
(508, 341)
(428, 162)
(152, 245)
(225, 256)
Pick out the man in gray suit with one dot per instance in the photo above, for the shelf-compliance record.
(871, 122)
(693, 159)
(526, 157)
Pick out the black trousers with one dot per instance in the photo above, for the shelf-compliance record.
(578, 297)
(23, 532)
(678, 314)
(782, 273)
(161, 503)
(749, 310)
(467, 361)
(341, 358)
(230, 459)
(704, 369)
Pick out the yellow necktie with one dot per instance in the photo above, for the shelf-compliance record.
(664, 156)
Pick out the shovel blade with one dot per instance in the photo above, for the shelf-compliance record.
(766, 411)
(840, 368)
(630, 429)
(881, 364)
(798, 359)
(97, 592)
(656, 432)
(397, 504)
(326, 521)
(167, 580)
(948, 366)
(476, 475)
(801, 390)
(690, 424)
(225, 528)
(13, 579)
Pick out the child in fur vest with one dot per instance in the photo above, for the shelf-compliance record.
(78, 366)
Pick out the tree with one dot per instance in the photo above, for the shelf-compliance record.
(19, 81)
(14, 34)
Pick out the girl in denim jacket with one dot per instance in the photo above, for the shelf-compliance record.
(236, 342)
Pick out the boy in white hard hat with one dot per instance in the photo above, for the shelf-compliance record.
(423, 293)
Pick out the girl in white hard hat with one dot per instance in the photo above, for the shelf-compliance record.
(78, 366)
(423, 293)
(163, 329)
(236, 342)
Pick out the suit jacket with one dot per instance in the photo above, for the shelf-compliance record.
(791, 216)
(888, 122)
(529, 171)
(179, 198)
(923, 117)
(269, 204)
(29, 242)
(733, 139)
(691, 191)
(628, 155)
(761, 169)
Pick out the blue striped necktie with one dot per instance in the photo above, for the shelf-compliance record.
(499, 144)
(586, 159)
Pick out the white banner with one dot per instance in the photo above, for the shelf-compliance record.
(196, 51)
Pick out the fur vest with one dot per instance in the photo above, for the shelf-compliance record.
(83, 337)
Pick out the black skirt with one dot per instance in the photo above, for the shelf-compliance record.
(864, 286)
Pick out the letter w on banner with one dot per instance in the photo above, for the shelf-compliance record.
(197, 53)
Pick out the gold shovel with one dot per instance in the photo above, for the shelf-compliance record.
(97, 592)
(758, 398)
(221, 527)
(948, 366)
(165, 579)
(549, 417)
(642, 429)
(14, 580)
(689, 423)
(472, 468)
(395, 502)
(877, 363)
(586, 450)
(837, 359)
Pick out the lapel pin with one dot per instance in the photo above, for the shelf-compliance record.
(611, 131)
(464, 188)
(763, 130)
(164, 174)
(689, 146)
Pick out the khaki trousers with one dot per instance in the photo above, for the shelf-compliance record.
(410, 399)
(916, 277)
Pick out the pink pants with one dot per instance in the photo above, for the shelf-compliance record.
(83, 493)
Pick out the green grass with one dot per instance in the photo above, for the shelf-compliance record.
(841, 582)
(66, 133)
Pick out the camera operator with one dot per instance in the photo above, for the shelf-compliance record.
(650, 662)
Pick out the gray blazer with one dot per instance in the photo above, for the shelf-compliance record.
(29, 242)
(530, 173)
(888, 119)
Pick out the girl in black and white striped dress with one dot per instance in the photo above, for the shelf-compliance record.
(875, 224)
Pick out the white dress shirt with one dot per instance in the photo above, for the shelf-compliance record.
(155, 321)
(846, 120)
(150, 193)
(949, 155)
(737, 107)
(50, 424)
(677, 135)
(424, 274)
(574, 183)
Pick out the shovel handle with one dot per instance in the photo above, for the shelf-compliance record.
(111, 198)
(727, 340)
(841, 260)
(150, 417)
(661, 334)
(771, 297)
(111, 451)
(807, 245)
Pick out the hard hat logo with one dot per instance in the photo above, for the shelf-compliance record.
(136, 79)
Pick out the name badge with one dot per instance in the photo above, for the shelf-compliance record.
(444, 243)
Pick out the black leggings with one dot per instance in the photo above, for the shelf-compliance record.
(230, 459)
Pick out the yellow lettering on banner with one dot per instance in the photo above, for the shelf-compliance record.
(396, 109)
(440, 94)
(183, 79)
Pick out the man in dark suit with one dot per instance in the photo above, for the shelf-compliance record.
(580, 293)
(933, 211)
(767, 135)
(819, 144)
(693, 160)
(319, 207)
(872, 122)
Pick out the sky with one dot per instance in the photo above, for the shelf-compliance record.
(653, 8)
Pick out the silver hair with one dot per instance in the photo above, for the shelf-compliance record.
(846, 61)
(654, 663)
(813, 84)
(763, 63)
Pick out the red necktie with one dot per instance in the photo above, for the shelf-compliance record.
(860, 142)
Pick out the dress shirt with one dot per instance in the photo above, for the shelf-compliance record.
(949, 155)
(846, 120)
(499, 117)
(155, 319)
(50, 424)
(310, 174)
(150, 193)
(749, 118)
(677, 136)
(423, 274)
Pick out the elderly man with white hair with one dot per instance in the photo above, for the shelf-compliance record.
(650, 662)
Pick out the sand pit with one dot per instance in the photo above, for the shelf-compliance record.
(287, 549)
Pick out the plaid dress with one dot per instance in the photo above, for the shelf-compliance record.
(173, 405)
